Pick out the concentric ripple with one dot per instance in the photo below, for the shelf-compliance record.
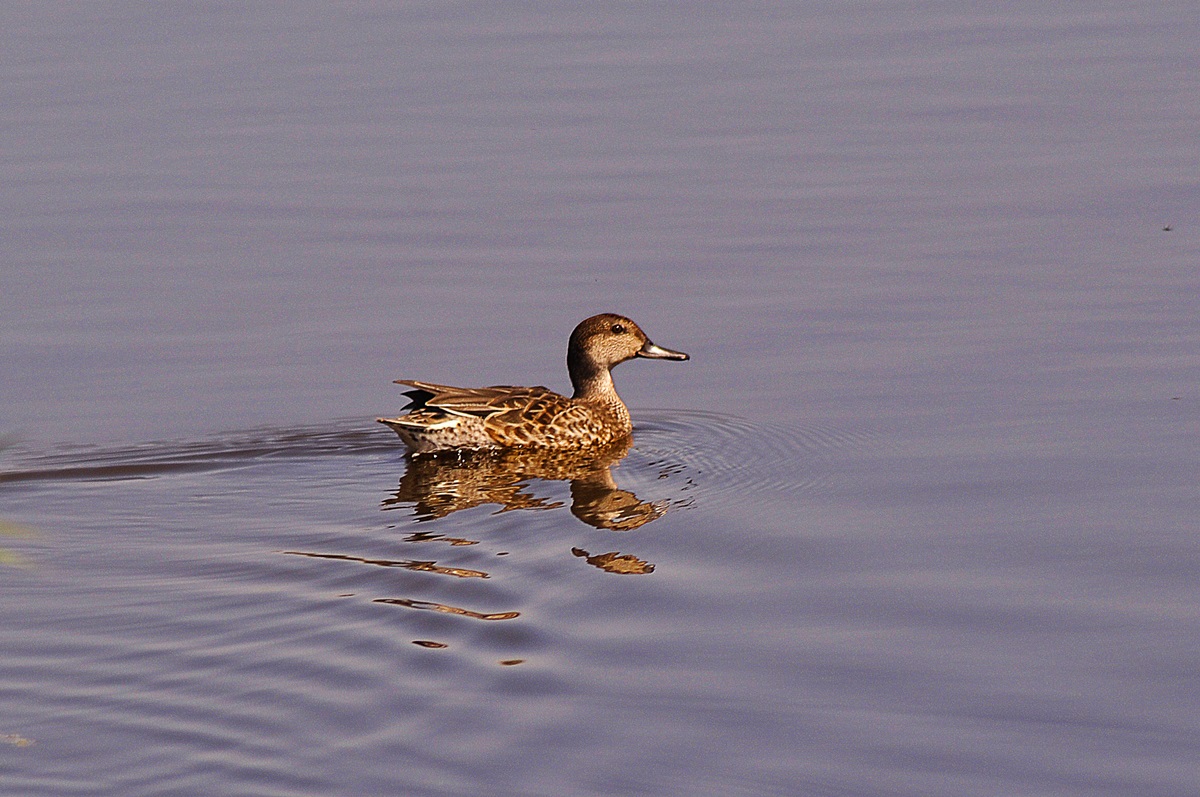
(727, 458)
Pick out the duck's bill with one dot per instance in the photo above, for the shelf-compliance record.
(659, 353)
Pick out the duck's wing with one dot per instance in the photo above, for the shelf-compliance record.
(481, 402)
(510, 415)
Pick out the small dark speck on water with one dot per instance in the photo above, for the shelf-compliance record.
(1168, 228)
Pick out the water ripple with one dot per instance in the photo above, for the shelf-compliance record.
(235, 449)
(677, 456)
(734, 459)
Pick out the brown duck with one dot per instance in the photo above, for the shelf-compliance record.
(441, 417)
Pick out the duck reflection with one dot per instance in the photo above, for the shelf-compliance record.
(616, 562)
(439, 484)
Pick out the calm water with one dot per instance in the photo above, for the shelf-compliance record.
(918, 518)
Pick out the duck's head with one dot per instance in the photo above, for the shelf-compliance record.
(604, 340)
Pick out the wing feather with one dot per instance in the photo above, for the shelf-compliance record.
(481, 402)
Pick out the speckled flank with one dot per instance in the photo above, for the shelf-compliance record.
(503, 416)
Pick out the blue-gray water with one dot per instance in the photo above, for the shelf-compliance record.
(918, 518)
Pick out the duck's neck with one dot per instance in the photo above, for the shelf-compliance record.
(595, 386)
(591, 381)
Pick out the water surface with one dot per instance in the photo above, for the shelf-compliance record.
(918, 518)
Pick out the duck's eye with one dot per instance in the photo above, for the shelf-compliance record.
(618, 329)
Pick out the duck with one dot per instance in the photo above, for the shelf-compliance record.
(447, 418)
